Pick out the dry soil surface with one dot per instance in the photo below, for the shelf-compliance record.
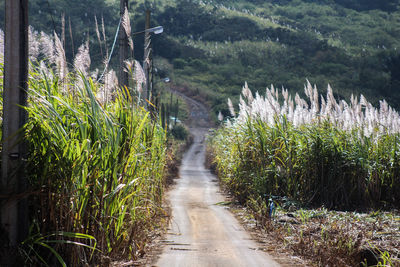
(203, 232)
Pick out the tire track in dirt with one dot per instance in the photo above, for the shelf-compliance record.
(201, 232)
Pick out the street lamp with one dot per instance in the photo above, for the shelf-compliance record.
(165, 80)
(155, 30)
(147, 61)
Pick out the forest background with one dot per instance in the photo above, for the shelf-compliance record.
(212, 47)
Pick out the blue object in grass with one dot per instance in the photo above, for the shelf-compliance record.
(271, 207)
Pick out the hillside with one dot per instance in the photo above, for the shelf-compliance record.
(87, 162)
(213, 47)
(224, 43)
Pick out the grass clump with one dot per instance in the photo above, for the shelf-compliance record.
(99, 168)
(314, 153)
(96, 169)
(96, 162)
(330, 238)
(334, 154)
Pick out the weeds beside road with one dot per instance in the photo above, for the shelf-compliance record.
(337, 155)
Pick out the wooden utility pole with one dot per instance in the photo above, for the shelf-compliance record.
(14, 219)
(148, 59)
(123, 77)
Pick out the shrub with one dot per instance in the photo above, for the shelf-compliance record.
(179, 63)
(179, 132)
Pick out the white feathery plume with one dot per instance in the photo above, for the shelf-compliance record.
(308, 90)
(323, 106)
(63, 30)
(285, 94)
(340, 106)
(348, 121)
(34, 44)
(139, 76)
(297, 100)
(363, 101)
(61, 60)
(103, 30)
(274, 92)
(315, 100)
(98, 34)
(47, 47)
(290, 109)
(129, 66)
(384, 107)
(330, 98)
(353, 100)
(231, 108)
(349, 117)
(247, 93)
(43, 69)
(220, 116)
(95, 74)
(106, 91)
(82, 59)
(242, 105)
(126, 24)
(271, 101)
(329, 103)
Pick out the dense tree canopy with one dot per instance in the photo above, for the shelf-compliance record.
(214, 46)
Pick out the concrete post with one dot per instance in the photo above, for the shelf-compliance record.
(14, 211)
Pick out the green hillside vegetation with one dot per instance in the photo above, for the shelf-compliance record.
(282, 44)
(217, 45)
(214, 46)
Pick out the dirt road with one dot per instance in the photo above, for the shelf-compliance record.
(202, 232)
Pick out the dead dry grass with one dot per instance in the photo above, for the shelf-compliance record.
(320, 237)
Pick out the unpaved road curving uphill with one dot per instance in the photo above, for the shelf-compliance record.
(202, 233)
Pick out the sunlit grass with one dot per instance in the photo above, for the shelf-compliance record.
(98, 170)
(316, 154)
(337, 155)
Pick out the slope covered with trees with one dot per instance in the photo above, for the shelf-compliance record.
(209, 48)
(284, 42)
(213, 46)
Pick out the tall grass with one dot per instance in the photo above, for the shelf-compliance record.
(334, 154)
(99, 169)
(96, 164)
